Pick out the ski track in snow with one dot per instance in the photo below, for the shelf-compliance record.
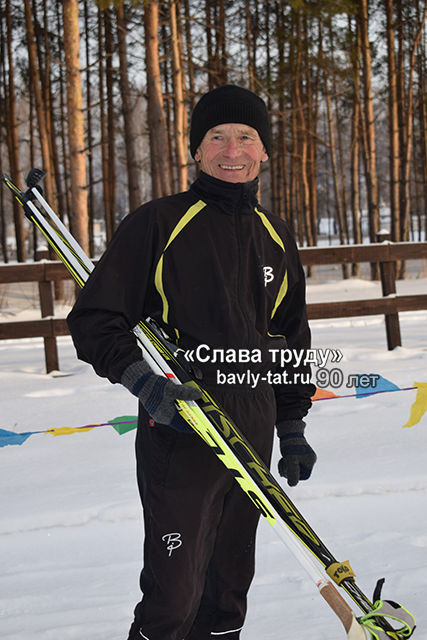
(71, 526)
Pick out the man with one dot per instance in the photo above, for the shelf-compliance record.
(215, 269)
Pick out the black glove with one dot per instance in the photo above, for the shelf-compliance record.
(157, 394)
(298, 458)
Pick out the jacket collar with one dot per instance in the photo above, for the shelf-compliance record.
(231, 198)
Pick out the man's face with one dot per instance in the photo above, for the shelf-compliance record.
(231, 152)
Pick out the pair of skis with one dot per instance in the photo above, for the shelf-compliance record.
(382, 619)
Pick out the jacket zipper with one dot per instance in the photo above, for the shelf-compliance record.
(239, 276)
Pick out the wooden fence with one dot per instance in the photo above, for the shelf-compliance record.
(386, 254)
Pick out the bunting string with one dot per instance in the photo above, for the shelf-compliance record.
(123, 424)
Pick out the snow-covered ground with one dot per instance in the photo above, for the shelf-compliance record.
(70, 522)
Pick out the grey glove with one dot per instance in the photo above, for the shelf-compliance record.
(157, 394)
(298, 458)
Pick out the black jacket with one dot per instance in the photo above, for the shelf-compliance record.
(213, 268)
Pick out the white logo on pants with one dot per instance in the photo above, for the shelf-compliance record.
(173, 541)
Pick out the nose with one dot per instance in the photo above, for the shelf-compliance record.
(232, 147)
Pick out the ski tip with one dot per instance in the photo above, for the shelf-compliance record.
(13, 188)
(6, 178)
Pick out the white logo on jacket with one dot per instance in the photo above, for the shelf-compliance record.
(268, 275)
(173, 541)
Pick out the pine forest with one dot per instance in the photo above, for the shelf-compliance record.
(99, 94)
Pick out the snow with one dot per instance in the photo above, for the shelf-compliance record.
(70, 526)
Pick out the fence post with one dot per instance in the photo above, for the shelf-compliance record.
(388, 285)
(48, 309)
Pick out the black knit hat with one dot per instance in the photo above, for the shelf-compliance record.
(229, 103)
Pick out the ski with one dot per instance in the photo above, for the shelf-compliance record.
(216, 428)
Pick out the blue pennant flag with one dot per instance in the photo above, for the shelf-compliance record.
(368, 384)
(9, 437)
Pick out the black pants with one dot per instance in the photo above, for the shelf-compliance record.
(199, 526)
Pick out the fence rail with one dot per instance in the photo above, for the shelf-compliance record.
(47, 273)
(385, 251)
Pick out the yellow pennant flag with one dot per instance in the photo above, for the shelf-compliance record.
(66, 431)
(419, 407)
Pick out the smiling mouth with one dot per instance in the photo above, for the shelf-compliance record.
(229, 167)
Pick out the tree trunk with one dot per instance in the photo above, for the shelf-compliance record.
(250, 45)
(43, 59)
(39, 105)
(394, 154)
(409, 117)
(76, 139)
(127, 111)
(285, 209)
(189, 51)
(103, 129)
(334, 163)
(3, 126)
(312, 84)
(422, 118)
(180, 114)
(221, 46)
(167, 90)
(3, 234)
(209, 46)
(401, 106)
(301, 133)
(355, 143)
(369, 126)
(216, 47)
(160, 171)
(12, 139)
(89, 136)
(111, 134)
